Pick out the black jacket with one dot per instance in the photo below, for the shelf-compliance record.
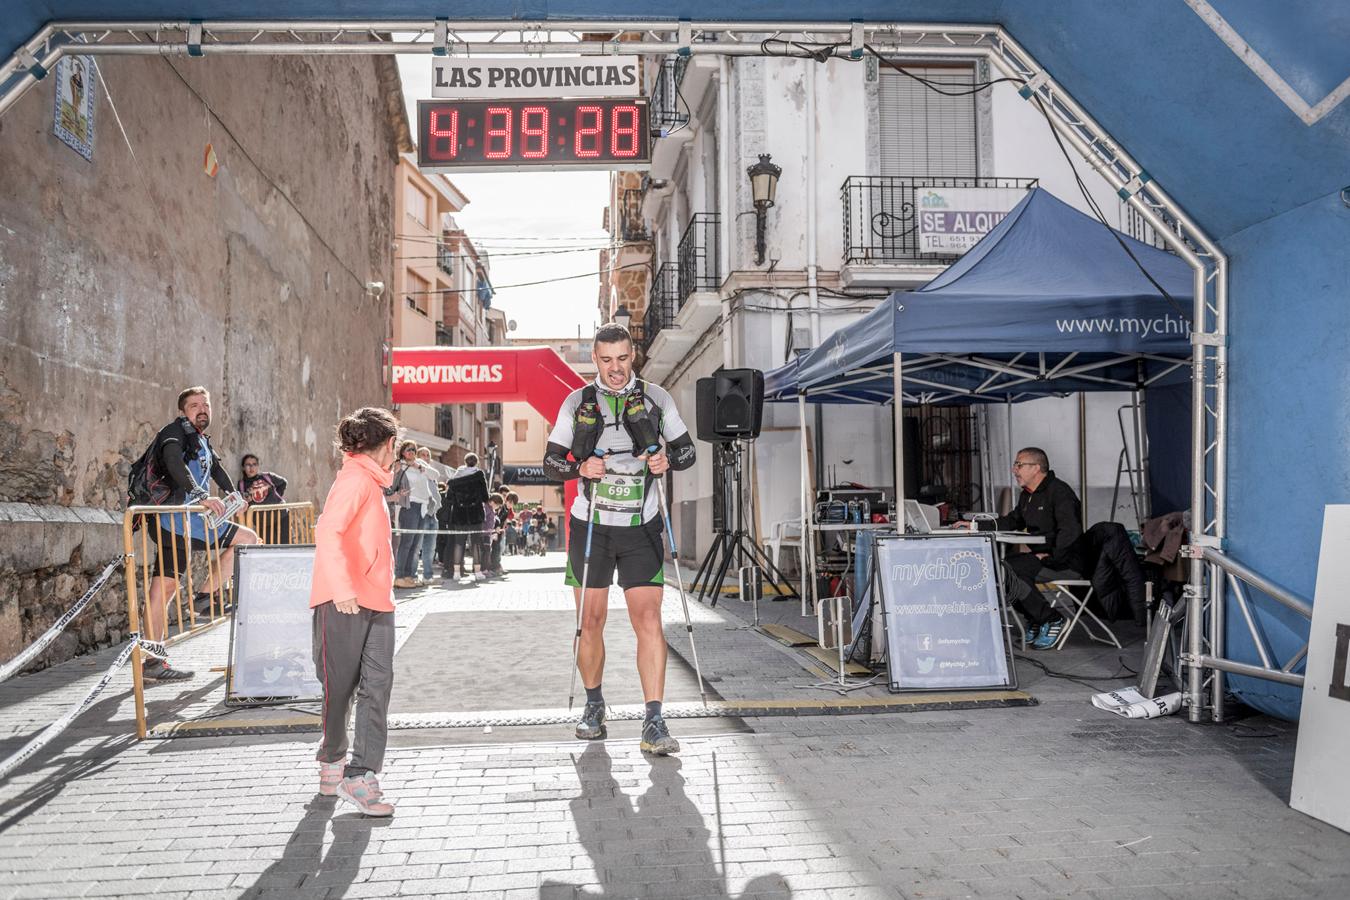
(1052, 510)
(1108, 560)
(171, 482)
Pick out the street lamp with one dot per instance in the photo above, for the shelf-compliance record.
(622, 316)
(763, 187)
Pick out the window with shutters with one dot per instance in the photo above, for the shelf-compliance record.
(922, 132)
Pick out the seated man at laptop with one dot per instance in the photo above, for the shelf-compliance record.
(1046, 506)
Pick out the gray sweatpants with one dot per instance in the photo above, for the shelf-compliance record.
(354, 659)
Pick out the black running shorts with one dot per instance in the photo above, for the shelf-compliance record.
(635, 550)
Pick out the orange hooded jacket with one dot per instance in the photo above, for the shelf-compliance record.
(352, 553)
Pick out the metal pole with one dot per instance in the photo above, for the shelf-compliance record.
(808, 532)
(1082, 459)
(1218, 586)
(581, 607)
(679, 580)
(1199, 438)
(897, 385)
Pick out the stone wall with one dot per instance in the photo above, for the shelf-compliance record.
(125, 279)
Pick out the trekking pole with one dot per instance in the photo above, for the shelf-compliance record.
(679, 580)
(581, 607)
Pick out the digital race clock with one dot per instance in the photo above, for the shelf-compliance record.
(487, 134)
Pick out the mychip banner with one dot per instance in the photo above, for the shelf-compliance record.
(271, 658)
(944, 621)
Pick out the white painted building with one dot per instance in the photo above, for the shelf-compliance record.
(855, 142)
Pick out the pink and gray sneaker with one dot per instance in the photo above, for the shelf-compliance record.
(364, 793)
(330, 776)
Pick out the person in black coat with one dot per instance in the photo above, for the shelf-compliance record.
(1047, 507)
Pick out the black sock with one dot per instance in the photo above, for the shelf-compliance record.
(653, 709)
(593, 695)
(354, 771)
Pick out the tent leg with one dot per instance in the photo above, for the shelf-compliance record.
(1082, 459)
(899, 418)
(808, 551)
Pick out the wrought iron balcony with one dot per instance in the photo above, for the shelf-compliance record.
(445, 260)
(698, 257)
(668, 110)
(630, 217)
(881, 215)
(444, 336)
(492, 412)
(445, 422)
(663, 300)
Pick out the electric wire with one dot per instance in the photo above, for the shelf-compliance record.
(503, 287)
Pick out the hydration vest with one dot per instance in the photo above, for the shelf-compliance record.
(633, 413)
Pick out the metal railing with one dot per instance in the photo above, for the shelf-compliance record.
(445, 259)
(281, 523)
(631, 227)
(171, 554)
(663, 301)
(698, 256)
(444, 336)
(668, 111)
(881, 214)
(1228, 577)
(445, 422)
(492, 412)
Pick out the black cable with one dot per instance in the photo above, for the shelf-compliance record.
(1096, 210)
(526, 253)
(933, 85)
(1076, 677)
(502, 287)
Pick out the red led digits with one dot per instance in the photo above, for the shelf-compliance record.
(623, 138)
(530, 133)
(493, 131)
(588, 141)
(444, 125)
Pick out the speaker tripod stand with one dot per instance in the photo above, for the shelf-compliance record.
(733, 544)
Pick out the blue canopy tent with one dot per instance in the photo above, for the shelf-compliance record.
(1046, 304)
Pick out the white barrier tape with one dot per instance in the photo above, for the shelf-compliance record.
(61, 724)
(20, 662)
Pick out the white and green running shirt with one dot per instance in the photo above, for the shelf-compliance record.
(625, 496)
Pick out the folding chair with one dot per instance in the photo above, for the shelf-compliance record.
(1059, 595)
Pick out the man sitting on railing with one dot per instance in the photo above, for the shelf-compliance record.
(183, 462)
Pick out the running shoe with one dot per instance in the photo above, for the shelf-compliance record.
(592, 724)
(330, 776)
(656, 738)
(1032, 632)
(364, 793)
(1049, 635)
(160, 670)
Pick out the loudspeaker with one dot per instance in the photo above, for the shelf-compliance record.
(730, 405)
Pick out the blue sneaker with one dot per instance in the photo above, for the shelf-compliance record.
(1032, 632)
(1049, 635)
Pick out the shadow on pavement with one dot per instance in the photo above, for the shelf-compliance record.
(617, 834)
(303, 863)
(98, 721)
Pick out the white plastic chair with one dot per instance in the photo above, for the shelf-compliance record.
(784, 534)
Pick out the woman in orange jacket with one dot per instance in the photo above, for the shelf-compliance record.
(352, 596)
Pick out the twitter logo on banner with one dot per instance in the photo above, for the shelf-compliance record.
(926, 664)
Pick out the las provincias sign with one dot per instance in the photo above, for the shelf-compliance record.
(494, 78)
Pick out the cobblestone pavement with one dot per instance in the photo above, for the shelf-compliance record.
(1053, 800)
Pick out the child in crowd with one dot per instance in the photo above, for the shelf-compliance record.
(352, 598)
